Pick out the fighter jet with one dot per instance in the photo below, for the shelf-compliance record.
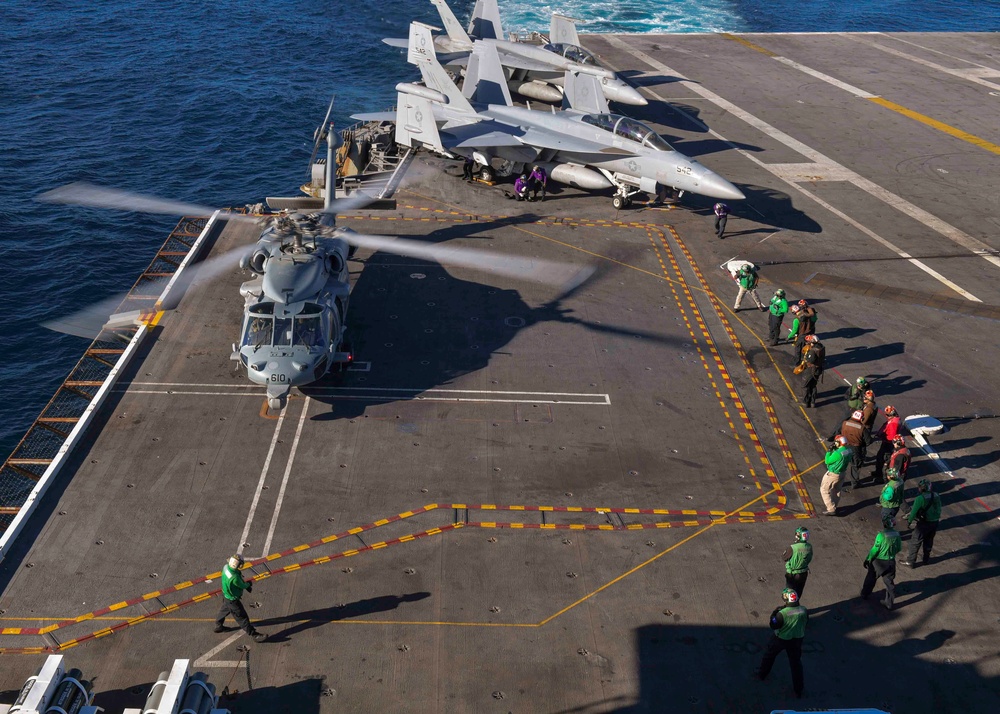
(583, 145)
(534, 71)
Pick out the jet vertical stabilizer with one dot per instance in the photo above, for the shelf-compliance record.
(421, 53)
(456, 33)
(485, 80)
(584, 93)
(563, 31)
(485, 22)
(415, 124)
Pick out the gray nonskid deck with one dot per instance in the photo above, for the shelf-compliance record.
(559, 497)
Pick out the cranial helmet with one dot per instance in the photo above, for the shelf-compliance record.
(888, 522)
(862, 382)
(801, 534)
(802, 302)
(858, 415)
(236, 561)
(840, 440)
(779, 292)
(812, 338)
(890, 411)
(789, 596)
(795, 308)
(869, 394)
(891, 473)
(924, 485)
(898, 440)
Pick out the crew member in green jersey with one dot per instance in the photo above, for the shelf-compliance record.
(788, 622)
(926, 512)
(797, 558)
(891, 497)
(777, 310)
(233, 586)
(881, 562)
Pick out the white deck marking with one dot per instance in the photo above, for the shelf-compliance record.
(260, 483)
(981, 70)
(206, 659)
(826, 164)
(388, 394)
(969, 75)
(284, 480)
(850, 88)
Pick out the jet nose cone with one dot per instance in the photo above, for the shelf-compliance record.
(713, 185)
(624, 93)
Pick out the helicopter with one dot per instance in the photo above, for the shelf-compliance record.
(294, 320)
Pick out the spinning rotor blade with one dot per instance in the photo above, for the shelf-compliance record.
(320, 133)
(86, 194)
(93, 319)
(536, 270)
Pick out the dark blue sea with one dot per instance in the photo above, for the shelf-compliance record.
(215, 102)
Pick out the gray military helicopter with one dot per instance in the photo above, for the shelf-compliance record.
(295, 312)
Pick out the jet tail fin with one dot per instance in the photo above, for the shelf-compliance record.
(415, 124)
(485, 23)
(562, 30)
(421, 53)
(485, 79)
(584, 92)
(456, 33)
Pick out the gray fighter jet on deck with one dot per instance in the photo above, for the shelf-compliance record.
(534, 71)
(584, 145)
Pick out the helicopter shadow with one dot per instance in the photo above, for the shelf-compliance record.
(420, 327)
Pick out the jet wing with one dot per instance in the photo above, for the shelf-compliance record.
(561, 142)
(481, 135)
(509, 59)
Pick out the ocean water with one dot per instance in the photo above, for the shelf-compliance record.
(215, 102)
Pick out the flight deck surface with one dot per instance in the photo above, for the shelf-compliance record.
(516, 500)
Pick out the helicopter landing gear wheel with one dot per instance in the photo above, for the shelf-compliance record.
(486, 174)
(276, 404)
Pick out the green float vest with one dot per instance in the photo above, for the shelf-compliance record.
(802, 553)
(892, 495)
(794, 622)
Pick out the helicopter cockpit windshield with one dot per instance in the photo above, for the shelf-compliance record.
(628, 128)
(574, 53)
(264, 329)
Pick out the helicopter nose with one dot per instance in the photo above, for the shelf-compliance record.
(712, 185)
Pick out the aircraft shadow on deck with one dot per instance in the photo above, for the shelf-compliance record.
(421, 328)
(696, 668)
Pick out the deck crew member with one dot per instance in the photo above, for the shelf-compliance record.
(926, 512)
(747, 279)
(887, 433)
(537, 180)
(788, 623)
(836, 460)
(721, 211)
(797, 557)
(814, 359)
(891, 497)
(777, 310)
(881, 562)
(900, 459)
(858, 437)
(856, 394)
(233, 586)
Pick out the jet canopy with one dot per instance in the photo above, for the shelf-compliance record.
(574, 53)
(628, 128)
(265, 329)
